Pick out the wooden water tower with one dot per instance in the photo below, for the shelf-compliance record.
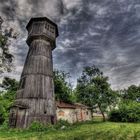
(35, 99)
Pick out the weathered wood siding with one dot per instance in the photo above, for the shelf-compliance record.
(35, 99)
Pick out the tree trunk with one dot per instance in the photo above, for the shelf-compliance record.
(92, 113)
(102, 113)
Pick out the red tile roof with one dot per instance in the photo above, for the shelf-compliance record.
(62, 104)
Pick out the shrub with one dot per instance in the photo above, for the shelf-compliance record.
(2, 114)
(115, 116)
(62, 124)
(5, 125)
(1, 119)
(37, 126)
(126, 112)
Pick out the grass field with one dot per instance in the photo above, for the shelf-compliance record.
(88, 131)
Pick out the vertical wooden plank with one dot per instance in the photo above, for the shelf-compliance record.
(35, 97)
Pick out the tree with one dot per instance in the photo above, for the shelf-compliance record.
(131, 93)
(61, 87)
(126, 112)
(7, 97)
(9, 84)
(94, 90)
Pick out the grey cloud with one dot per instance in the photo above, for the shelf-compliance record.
(105, 33)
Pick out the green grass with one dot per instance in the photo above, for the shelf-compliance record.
(96, 130)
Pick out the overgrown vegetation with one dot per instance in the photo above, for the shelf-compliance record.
(60, 125)
(62, 89)
(7, 97)
(126, 112)
(37, 126)
(97, 130)
(129, 106)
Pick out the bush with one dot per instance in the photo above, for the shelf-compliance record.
(62, 124)
(127, 112)
(1, 119)
(115, 116)
(5, 125)
(2, 114)
(37, 126)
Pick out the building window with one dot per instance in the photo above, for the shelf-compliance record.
(87, 112)
(51, 29)
(47, 26)
(61, 113)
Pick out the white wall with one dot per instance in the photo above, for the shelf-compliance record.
(69, 114)
(73, 115)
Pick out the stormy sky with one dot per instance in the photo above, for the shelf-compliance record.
(105, 33)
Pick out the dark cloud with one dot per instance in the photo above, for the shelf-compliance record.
(7, 8)
(105, 33)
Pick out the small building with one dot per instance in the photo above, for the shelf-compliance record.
(72, 112)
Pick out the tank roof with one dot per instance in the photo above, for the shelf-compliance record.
(42, 19)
